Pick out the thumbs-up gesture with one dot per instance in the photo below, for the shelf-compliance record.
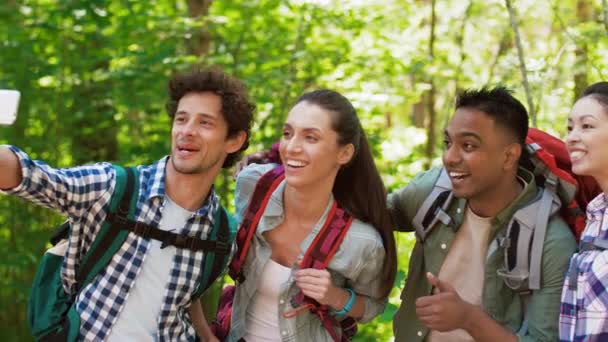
(444, 310)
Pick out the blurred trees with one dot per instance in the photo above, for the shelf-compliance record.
(93, 75)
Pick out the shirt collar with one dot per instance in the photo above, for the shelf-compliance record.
(153, 175)
(275, 206)
(597, 207)
(527, 194)
(153, 186)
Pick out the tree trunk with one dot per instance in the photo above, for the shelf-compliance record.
(583, 15)
(605, 16)
(522, 62)
(198, 44)
(460, 43)
(447, 106)
(430, 96)
(417, 114)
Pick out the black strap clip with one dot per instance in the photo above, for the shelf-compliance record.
(221, 247)
(142, 229)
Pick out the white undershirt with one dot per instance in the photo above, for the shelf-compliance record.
(262, 320)
(464, 268)
(138, 319)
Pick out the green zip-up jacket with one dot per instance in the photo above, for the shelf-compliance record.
(500, 302)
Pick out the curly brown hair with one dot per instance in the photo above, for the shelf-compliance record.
(237, 108)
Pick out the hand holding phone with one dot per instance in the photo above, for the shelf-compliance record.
(9, 101)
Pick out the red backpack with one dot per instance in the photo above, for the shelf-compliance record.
(554, 155)
(318, 256)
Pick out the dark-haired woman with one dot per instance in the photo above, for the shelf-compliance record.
(584, 308)
(326, 158)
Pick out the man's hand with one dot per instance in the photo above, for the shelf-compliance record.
(260, 157)
(444, 311)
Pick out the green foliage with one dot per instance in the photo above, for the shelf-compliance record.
(93, 74)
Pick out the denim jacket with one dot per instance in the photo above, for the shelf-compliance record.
(357, 264)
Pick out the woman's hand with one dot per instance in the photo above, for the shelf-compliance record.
(317, 285)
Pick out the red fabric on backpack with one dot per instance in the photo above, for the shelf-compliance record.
(221, 325)
(318, 256)
(554, 154)
(265, 186)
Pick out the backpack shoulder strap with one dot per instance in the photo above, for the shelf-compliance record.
(549, 204)
(524, 242)
(259, 199)
(223, 231)
(318, 255)
(107, 241)
(326, 243)
(434, 207)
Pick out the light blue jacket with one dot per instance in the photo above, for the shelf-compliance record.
(357, 264)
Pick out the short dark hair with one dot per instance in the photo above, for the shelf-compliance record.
(237, 109)
(498, 103)
(599, 92)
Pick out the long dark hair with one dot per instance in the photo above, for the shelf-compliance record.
(358, 186)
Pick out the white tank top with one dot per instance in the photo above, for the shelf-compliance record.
(262, 321)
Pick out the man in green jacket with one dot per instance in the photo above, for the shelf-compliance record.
(453, 291)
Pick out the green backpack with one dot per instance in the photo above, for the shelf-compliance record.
(51, 312)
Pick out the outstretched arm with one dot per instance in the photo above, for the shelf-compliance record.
(10, 176)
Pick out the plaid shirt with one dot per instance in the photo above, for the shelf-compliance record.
(584, 308)
(83, 194)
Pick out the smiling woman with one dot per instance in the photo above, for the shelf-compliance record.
(584, 308)
(327, 165)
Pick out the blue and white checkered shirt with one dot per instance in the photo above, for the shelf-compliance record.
(584, 309)
(83, 195)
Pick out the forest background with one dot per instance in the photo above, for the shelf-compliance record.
(93, 80)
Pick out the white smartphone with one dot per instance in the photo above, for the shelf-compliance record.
(9, 101)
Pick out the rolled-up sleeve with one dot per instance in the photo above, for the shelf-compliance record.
(368, 280)
(71, 191)
(245, 184)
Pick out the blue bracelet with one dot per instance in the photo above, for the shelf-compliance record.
(349, 304)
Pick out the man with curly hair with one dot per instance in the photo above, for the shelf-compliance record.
(146, 292)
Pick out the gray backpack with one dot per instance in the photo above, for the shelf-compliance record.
(522, 240)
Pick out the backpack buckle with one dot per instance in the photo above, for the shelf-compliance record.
(118, 220)
(221, 247)
(504, 241)
(141, 229)
(240, 278)
(183, 241)
(551, 180)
